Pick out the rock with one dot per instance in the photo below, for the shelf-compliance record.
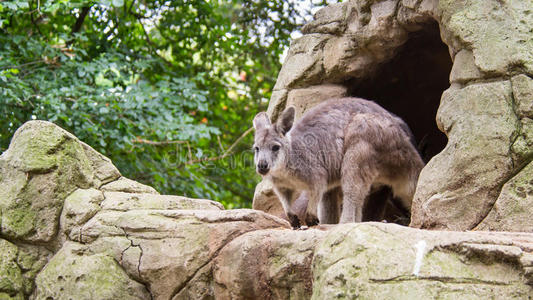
(523, 92)
(132, 201)
(11, 280)
(418, 264)
(522, 146)
(270, 264)
(279, 100)
(18, 267)
(31, 259)
(304, 99)
(303, 62)
(79, 207)
(479, 122)
(330, 19)
(169, 248)
(512, 209)
(104, 170)
(42, 166)
(498, 33)
(76, 272)
(82, 205)
(126, 185)
(464, 68)
(265, 200)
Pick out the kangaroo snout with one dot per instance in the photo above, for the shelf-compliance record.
(262, 167)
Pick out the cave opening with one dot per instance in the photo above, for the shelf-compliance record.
(409, 85)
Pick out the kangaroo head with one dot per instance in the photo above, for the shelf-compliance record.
(271, 144)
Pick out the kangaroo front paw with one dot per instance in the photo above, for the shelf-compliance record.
(311, 220)
(294, 220)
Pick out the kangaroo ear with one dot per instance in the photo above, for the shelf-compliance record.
(261, 121)
(284, 123)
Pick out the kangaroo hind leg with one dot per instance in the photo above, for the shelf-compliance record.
(329, 207)
(358, 172)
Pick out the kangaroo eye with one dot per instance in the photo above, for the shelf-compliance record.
(275, 148)
(256, 149)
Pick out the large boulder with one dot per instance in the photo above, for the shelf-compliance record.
(73, 227)
(42, 166)
(387, 261)
(375, 261)
(374, 48)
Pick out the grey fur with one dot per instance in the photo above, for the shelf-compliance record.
(347, 143)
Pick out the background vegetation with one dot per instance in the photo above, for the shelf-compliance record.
(166, 89)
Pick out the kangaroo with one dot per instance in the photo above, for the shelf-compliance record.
(347, 143)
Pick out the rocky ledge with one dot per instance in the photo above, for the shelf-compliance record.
(73, 228)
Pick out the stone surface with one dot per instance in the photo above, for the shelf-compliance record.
(76, 272)
(11, 280)
(303, 62)
(459, 186)
(512, 209)
(522, 147)
(304, 99)
(267, 264)
(133, 201)
(47, 163)
(498, 33)
(104, 170)
(265, 200)
(167, 248)
(464, 68)
(418, 264)
(126, 185)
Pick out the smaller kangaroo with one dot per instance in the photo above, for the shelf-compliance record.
(347, 143)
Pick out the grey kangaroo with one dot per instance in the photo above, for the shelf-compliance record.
(347, 143)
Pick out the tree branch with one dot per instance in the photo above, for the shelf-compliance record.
(199, 160)
(33, 21)
(156, 143)
(225, 154)
(81, 18)
(152, 46)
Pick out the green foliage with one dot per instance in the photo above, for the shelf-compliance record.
(163, 88)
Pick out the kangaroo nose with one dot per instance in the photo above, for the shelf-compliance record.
(262, 167)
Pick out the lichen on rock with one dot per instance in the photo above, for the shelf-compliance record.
(76, 272)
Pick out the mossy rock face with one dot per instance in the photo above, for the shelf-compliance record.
(380, 261)
(171, 249)
(512, 210)
(480, 123)
(41, 167)
(11, 280)
(497, 32)
(18, 267)
(77, 273)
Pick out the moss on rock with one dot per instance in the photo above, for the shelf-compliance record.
(11, 281)
(77, 273)
(42, 166)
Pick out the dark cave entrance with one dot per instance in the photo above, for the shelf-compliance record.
(410, 85)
